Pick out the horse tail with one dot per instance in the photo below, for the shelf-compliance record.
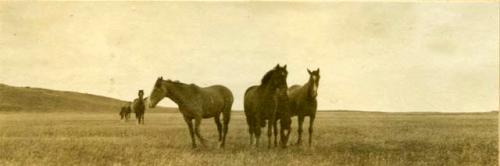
(229, 99)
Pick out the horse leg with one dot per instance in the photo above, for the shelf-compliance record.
(197, 123)
(219, 126)
(226, 118)
(250, 122)
(138, 120)
(311, 123)
(142, 118)
(301, 120)
(189, 122)
(137, 116)
(275, 131)
(287, 136)
(283, 136)
(250, 131)
(256, 128)
(270, 127)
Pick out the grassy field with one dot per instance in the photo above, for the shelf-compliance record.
(341, 138)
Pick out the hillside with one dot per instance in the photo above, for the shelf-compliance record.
(38, 99)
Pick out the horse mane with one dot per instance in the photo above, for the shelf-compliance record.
(177, 82)
(267, 77)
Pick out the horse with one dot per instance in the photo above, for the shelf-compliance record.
(303, 102)
(196, 103)
(125, 112)
(138, 106)
(262, 102)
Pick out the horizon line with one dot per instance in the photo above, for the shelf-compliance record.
(239, 110)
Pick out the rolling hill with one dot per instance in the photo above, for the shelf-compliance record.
(42, 100)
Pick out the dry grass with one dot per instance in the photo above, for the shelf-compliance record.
(341, 138)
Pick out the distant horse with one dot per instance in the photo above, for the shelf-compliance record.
(303, 102)
(196, 103)
(125, 112)
(262, 103)
(138, 106)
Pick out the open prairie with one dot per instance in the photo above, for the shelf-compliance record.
(341, 138)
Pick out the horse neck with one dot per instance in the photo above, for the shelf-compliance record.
(308, 88)
(177, 92)
(268, 88)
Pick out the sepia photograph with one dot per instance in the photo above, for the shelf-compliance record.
(224, 83)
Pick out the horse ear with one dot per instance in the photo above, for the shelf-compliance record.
(318, 70)
(158, 81)
(277, 66)
(284, 67)
(309, 71)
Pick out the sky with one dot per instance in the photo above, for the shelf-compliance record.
(373, 56)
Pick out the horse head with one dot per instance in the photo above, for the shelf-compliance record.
(140, 94)
(157, 94)
(313, 82)
(278, 77)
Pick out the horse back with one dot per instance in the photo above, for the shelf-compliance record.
(219, 92)
(215, 99)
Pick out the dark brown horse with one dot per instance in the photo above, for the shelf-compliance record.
(262, 103)
(125, 112)
(138, 106)
(196, 103)
(303, 102)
